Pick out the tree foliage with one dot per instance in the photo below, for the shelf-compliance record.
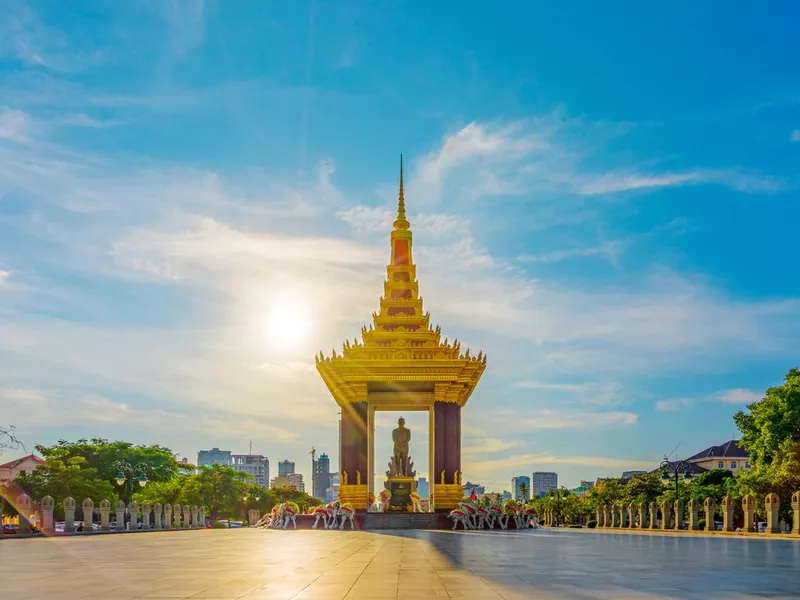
(772, 421)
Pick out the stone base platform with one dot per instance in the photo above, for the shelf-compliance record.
(372, 521)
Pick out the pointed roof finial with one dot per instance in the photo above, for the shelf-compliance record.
(401, 222)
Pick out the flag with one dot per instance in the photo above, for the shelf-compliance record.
(473, 496)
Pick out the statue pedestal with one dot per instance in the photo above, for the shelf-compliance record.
(401, 489)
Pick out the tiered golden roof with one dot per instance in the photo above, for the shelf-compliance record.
(400, 350)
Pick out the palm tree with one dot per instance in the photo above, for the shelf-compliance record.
(523, 491)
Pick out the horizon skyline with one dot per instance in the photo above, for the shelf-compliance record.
(197, 198)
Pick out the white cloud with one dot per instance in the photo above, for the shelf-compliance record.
(15, 125)
(673, 404)
(795, 136)
(739, 396)
(563, 419)
(734, 396)
(610, 251)
(609, 183)
(83, 120)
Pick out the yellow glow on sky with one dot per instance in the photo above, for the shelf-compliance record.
(288, 324)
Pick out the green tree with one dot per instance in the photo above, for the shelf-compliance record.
(771, 421)
(523, 492)
(643, 488)
(219, 487)
(771, 434)
(63, 475)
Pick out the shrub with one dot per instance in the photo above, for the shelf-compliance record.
(575, 526)
(701, 523)
(218, 525)
(591, 524)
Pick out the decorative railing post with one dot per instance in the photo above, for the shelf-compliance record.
(187, 511)
(607, 520)
(694, 509)
(133, 513)
(710, 511)
(631, 515)
(194, 516)
(145, 515)
(120, 510)
(614, 516)
(598, 516)
(728, 506)
(202, 515)
(749, 508)
(105, 511)
(642, 515)
(176, 516)
(796, 513)
(47, 524)
(653, 514)
(88, 512)
(24, 510)
(168, 516)
(678, 505)
(666, 518)
(157, 515)
(772, 503)
(69, 514)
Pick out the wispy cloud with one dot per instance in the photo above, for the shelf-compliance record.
(610, 251)
(795, 135)
(15, 125)
(734, 396)
(83, 120)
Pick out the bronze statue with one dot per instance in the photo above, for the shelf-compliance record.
(401, 436)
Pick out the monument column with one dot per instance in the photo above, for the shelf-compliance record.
(353, 455)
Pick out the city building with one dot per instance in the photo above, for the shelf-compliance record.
(725, 456)
(423, 488)
(628, 474)
(321, 477)
(215, 456)
(296, 481)
(506, 495)
(285, 467)
(522, 488)
(332, 493)
(587, 484)
(543, 482)
(19, 466)
(469, 487)
(255, 465)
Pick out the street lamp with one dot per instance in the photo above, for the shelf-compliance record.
(128, 473)
(678, 469)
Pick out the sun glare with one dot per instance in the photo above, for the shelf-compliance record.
(287, 326)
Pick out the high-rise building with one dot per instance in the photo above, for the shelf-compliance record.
(285, 467)
(332, 493)
(544, 482)
(423, 488)
(506, 495)
(296, 481)
(255, 465)
(215, 456)
(321, 478)
(522, 488)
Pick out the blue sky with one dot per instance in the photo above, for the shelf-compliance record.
(604, 199)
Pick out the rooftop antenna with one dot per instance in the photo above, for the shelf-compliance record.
(251, 446)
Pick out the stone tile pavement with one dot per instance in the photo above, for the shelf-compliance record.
(276, 565)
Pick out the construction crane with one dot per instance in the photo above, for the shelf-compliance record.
(313, 454)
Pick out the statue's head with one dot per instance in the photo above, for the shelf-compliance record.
(401, 421)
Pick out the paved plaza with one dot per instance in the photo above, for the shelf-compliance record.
(264, 564)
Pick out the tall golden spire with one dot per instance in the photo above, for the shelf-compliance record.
(401, 222)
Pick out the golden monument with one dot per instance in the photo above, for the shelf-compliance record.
(401, 363)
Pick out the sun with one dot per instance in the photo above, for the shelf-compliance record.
(287, 325)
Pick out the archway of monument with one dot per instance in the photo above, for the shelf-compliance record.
(385, 421)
